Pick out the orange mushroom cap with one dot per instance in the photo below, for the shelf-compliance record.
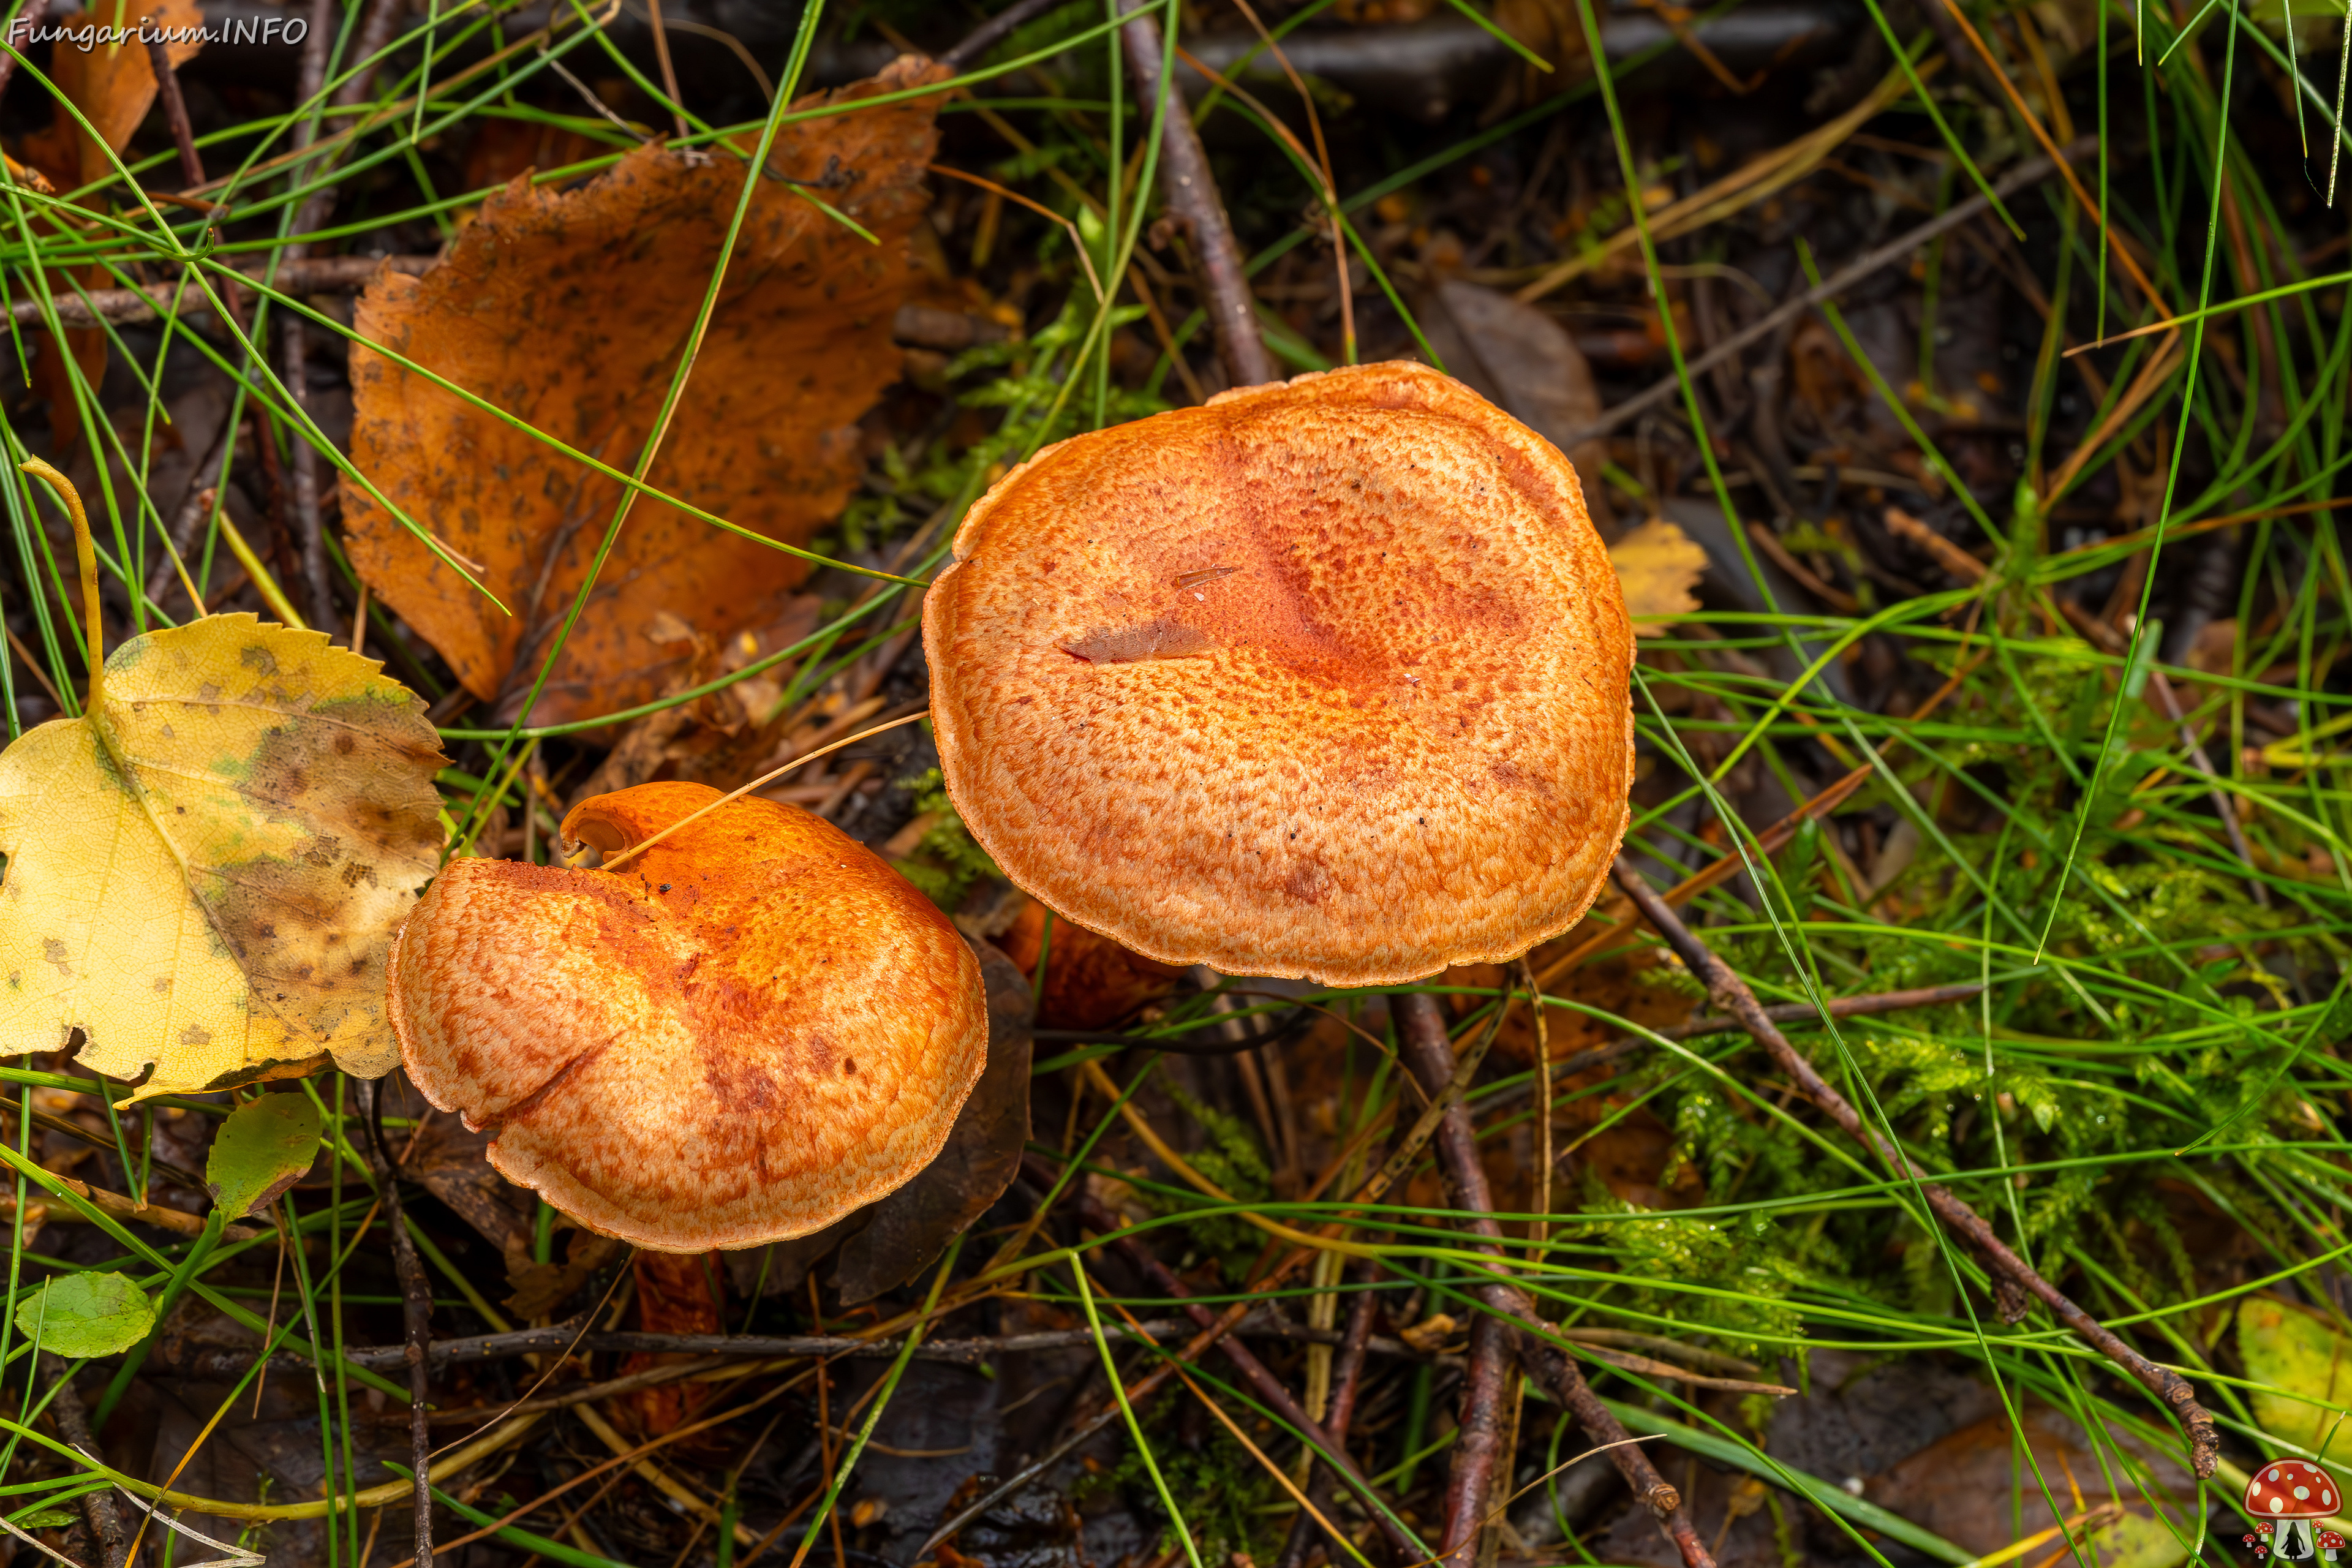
(2291, 1488)
(1322, 680)
(737, 1037)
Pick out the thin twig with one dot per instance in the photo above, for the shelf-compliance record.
(1192, 195)
(2169, 701)
(416, 1315)
(1269, 1388)
(302, 488)
(1731, 993)
(1840, 1007)
(996, 30)
(29, 17)
(175, 110)
(1428, 1055)
(375, 33)
(2031, 172)
(1339, 1412)
(105, 1515)
(668, 71)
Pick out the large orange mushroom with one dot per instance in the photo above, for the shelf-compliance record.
(1322, 680)
(738, 1035)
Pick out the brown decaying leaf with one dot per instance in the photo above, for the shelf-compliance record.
(570, 309)
(751, 1029)
(113, 85)
(1091, 982)
(721, 739)
(1522, 359)
(1976, 1489)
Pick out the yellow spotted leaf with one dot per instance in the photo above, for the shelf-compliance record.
(2301, 1372)
(204, 871)
(1657, 565)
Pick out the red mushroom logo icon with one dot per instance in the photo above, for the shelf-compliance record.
(2286, 1498)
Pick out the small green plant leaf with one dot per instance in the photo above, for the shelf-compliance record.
(42, 1519)
(83, 1315)
(261, 1150)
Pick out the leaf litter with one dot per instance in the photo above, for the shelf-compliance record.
(567, 309)
(1688, 1218)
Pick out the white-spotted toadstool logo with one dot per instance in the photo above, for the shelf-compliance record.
(2287, 1499)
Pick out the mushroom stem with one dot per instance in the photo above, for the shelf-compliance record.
(2013, 1277)
(1192, 195)
(1428, 1053)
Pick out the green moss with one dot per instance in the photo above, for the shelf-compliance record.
(1218, 1486)
(947, 861)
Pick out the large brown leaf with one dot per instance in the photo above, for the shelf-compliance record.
(112, 83)
(569, 310)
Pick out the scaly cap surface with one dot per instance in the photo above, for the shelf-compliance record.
(1325, 679)
(737, 1037)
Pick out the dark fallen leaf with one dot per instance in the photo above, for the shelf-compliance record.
(1975, 1488)
(779, 1268)
(538, 1288)
(449, 1162)
(914, 1224)
(887, 1243)
(1518, 357)
(1034, 1528)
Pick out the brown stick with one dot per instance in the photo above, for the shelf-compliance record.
(1731, 993)
(374, 32)
(29, 17)
(416, 1318)
(1429, 1056)
(1192, 195)
(1268, 1386)
(1840, 1007)
(1479, 1449)
(175, 110)
(994, 31)
(1339, 1414)
(302, 488)
(99, 1507)
(2031, 172)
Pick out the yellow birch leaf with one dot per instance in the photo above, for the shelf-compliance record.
(204, 870)
(1658, 565)
(2301, 1369)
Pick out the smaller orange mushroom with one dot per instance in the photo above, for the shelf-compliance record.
(743, 1033)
